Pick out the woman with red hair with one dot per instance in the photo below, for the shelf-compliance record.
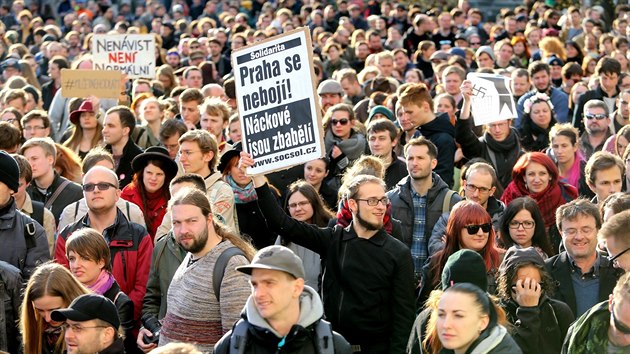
(535, 175)
(521, 52)
(469, 227)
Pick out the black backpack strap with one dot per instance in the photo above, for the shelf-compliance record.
(238, 340)
(38, 212)
(325, 345)
(29, 234)
(76, 211)
(219, 268)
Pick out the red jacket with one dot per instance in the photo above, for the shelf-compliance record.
(131, 248)
(156, 203)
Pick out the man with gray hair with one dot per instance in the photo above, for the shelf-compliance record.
(130, 244)
(596, 127)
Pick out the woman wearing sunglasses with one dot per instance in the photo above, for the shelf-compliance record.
(343, 143)
(535, 175)
(522, 226)
(469, 227)
(539, 323)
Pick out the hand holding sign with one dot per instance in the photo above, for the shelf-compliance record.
(466, 89)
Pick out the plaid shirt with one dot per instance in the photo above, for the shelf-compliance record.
(419, 251)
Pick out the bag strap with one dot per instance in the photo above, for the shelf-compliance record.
(325, 345)
(238, 340)
(219, 268)
(56, 194)
(38, 212)
(447, 201)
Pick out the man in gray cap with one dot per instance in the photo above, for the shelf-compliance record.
(91, 325)
(330, 93)
(24, 242)
(281, 312)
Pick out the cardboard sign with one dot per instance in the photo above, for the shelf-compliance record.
(132, 54)
(276, 93)
(492, 98)
(83, 83)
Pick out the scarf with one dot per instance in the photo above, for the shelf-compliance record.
(242, 195)
(344, 217)
(555, 195)
(353, 147)
(103, 283)
(508, 151)
(51, 335)
(530, 130)
(573, 174)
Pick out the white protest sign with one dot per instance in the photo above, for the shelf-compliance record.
(492, 98)
(133, 54)
(276, 95)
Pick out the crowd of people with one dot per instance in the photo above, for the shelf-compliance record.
(131, 224)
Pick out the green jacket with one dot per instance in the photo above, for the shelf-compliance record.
(167, 256)
(589, 333)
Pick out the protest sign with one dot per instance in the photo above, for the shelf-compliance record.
(132, 54)
(492, 98)
(83, 83)
(280, 115)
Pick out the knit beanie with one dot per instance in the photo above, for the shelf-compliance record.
(465, 266)
(9, 171)
(515, 256)
(485, 49)
(382, 110)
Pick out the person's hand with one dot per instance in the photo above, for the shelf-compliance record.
(459, 154)
(141, 344)
(336, 152)
(466, 89)
(96, 103)
(247, 161)
(527, 292)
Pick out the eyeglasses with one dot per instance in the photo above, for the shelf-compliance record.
(76, 328)
(525, 224)
(475, 43)
(9, 120)
(615, 259)
(301, 204)
(34, 128)
(473, 229)
(572, 232)
(596, 116)
(102, 186)
(342, 121)
(374, 201)
(472, 189)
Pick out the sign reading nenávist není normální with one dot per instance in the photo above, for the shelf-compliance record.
(132, 54)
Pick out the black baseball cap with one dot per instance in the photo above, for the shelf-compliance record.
(89, 307)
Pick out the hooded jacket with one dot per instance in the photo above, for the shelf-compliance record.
(495, 341)
(442, 133)
(262, 338)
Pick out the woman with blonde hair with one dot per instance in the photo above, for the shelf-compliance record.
(87, 131)
(166, 75)
(550, 46)
(51, 287)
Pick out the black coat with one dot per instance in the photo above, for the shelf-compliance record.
(124, 305)
(578, 113)
(252, 223)
(70, 194)
(367, 284)
(539, 329)
(395, 172)
(559, 268)
(124, 170)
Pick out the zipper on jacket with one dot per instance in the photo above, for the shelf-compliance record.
(343, 261)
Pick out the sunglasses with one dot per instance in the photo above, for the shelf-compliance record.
(342, 121)
(596, 116)
(473, 229)
(102, 186)
(618, 325)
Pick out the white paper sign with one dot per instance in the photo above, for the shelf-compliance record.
(492, 98)
(132, 54)
(276, 95)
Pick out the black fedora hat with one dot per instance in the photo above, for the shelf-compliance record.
(228, 155)
(155, 153)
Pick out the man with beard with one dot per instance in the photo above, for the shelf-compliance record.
(540, 76)
(368, 287)
(419, 199)
(621, 116)
(195, 312)
(596, 127)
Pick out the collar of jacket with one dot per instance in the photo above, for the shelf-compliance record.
(7, 219)
(378, 239)
(120, 227)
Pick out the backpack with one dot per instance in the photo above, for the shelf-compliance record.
(38, 212)
(220, 265)
(323, 331)
(29, 239)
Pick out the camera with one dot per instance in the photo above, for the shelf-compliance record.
(154, 326)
